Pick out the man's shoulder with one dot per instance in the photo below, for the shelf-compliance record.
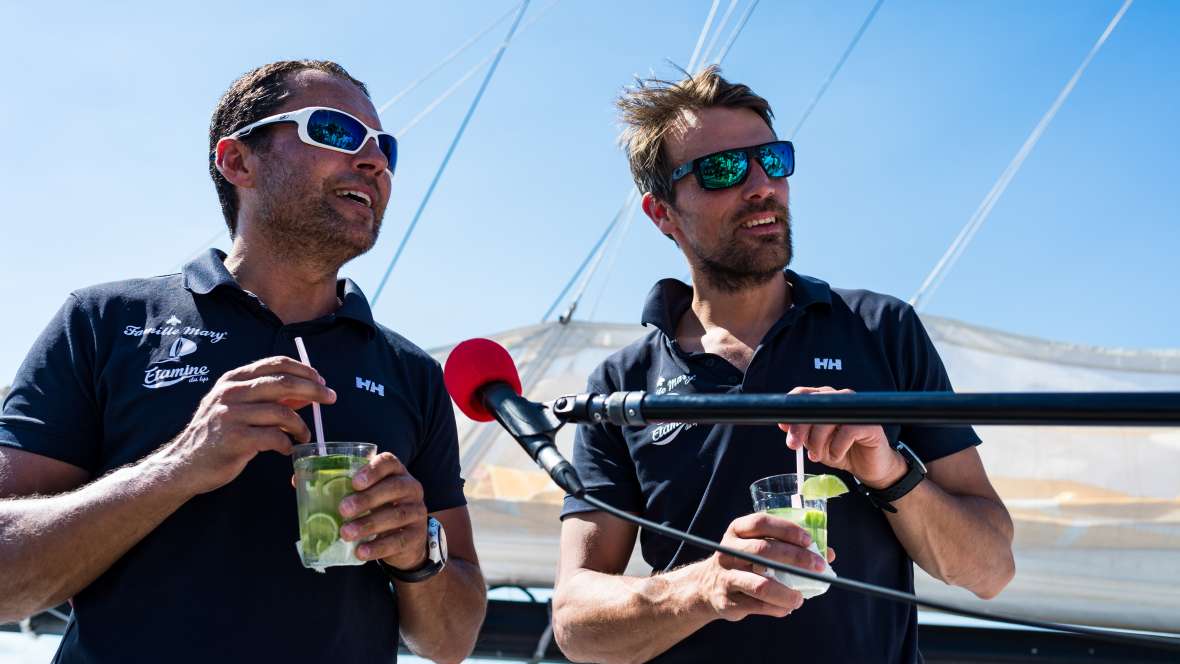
(404, 349)
(126, 292)
(877, 310)
(636, 356)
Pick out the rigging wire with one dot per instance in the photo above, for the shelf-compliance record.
(433, 70)
(736, 31)
(720, 28)
(614, 252)
(696, 51)
(466, 76)
(836, 70)
(450, 151)
(634, 193)
(933, 280)
(204, 245)
(445, 61)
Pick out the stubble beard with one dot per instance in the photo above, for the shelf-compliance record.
(301, 225)
(733, 267)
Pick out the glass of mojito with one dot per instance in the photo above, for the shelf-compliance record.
(804, 503)
(322, 480)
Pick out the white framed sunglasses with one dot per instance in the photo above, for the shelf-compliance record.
(331, 129)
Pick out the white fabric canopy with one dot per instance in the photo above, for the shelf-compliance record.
(1097, 510)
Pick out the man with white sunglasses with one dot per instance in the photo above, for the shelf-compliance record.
(137, 445)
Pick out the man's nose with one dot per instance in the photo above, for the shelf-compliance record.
(371, 158)
(759, 185)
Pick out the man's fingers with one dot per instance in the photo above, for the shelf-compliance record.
(383, 465)
(831, 555)
(774, 598)
(395, 490)
(279, 364)
(843, 441)
(278, 387)
(384, 519)
(392, 543)
(268, 439)
(819, 440)
(798, 436)
(273, 415)
(760, 525)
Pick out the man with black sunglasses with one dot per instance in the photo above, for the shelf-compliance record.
(714, 178)
(136, 445)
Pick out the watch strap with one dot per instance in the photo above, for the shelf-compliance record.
(434, 563)
(883, 498)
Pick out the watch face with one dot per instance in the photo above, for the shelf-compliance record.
(437, 538)
(906, 451)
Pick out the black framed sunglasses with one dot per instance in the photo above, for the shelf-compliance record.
(729, 168)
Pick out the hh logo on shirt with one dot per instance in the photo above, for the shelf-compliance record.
(829, 364)
(370, 385)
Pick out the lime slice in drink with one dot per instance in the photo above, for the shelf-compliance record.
(322, 529)
(335, 489)
(813, 519)
(823, 486)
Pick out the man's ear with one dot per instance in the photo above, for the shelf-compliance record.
(658, 211)
(233, 162)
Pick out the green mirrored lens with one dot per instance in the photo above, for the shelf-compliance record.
(724, 169)
(335, 129)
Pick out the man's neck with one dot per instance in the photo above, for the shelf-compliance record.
(745, 315)
(295, 291)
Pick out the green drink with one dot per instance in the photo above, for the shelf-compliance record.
(804, 501)
(321, 482)
(814, 521)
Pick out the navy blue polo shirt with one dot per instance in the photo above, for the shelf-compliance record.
(120, 371)
(696, 478)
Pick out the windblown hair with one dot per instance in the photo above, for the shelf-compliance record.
(653, 107)
(256, 95)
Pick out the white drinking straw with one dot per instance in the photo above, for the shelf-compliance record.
(315, 407)
(798, 495)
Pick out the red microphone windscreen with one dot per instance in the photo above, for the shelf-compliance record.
(472, 365)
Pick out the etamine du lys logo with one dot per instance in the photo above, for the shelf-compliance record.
(157, 376)
(664, 433)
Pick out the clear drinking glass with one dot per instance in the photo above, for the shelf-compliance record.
(321, 482)
(782, 495)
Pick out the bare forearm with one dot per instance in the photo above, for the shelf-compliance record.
(612, 618)
(962, 540)
(440, 617)
(52, 547)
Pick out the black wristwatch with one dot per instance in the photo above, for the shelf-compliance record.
(436, 557)
(915, 473)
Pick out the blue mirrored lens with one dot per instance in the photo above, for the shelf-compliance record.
(388, 145)
(335, 130)
(724, 169)
(777, 159)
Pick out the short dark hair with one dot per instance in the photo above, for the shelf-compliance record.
(651, 108)
(255, 95)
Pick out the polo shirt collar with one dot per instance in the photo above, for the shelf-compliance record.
(207, 272)
(670, 298)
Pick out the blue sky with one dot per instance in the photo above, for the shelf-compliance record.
(105, 176)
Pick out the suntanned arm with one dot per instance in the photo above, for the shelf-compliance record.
(954, 525)
(601, 616)
(41, 538)
(52, 546)
(440, 617)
